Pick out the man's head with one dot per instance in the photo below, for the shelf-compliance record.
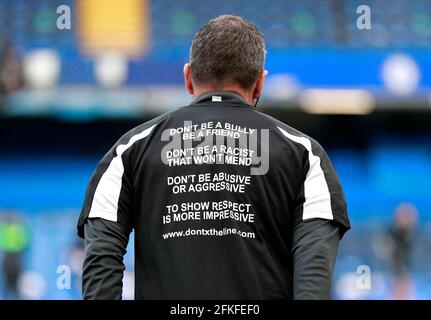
(227, 54)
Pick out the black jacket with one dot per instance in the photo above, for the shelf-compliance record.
(225, 202)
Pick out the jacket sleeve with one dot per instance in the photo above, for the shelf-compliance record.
(315, 246)
(105, 245)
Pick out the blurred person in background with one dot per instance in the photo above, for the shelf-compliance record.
(402, 236)
(14, 240)
(75, 259)
(10, 70)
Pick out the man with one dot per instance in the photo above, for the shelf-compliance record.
(225, 202)
(402, 236)
(14, 240)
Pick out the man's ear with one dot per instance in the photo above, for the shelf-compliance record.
(188, 78)
(257, 92)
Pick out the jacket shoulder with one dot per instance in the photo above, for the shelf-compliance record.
(286, 131)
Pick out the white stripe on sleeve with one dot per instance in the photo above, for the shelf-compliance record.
(107, 194)
(317, 197)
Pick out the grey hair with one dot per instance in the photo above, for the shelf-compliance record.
(227, 49)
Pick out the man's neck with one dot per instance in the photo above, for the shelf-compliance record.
(234, 89)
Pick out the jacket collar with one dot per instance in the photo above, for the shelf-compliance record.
(222, 98)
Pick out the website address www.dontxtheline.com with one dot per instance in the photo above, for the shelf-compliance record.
(208, 232)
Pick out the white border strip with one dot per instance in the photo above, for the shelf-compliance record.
(107, 194)
(317, 197)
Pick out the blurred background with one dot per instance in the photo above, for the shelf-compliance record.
(77, 74)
